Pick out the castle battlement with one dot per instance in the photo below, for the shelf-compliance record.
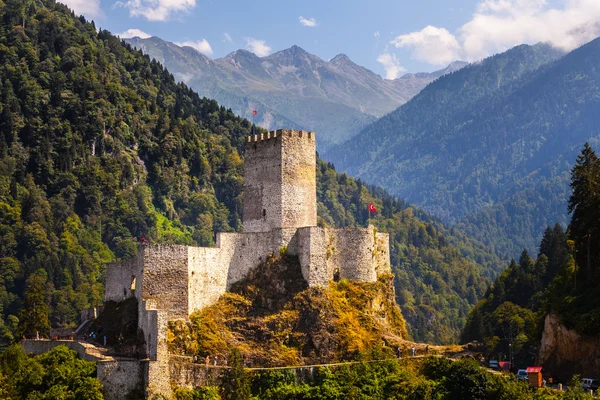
(290, 133)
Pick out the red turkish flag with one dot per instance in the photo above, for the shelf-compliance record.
(372, 208)
(254, 112)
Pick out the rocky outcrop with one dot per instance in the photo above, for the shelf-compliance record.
(564, 352)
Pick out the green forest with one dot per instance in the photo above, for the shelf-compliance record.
(562, 280)
(99, 147)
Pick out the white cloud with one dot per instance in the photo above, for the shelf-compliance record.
(131, 33)
(227, 38)
(391, 64)
(498, 25)
(433, 45)
(200, 45)
(89, 8)
(156, 10)
(258, 47)
(311, 22)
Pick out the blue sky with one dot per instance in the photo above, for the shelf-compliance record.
(390, 37)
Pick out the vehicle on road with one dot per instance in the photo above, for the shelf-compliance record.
(522, 374)
(590, 384)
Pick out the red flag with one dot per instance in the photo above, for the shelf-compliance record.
(372, 208)
(254, 112)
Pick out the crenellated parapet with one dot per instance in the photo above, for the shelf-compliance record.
(279, 133)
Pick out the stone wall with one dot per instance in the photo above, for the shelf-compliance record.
(262, 183)
(299, 179)
(165, 278)
(189, 375)
(312, 254)
(212, 271)
(120, 276)
(119, 378)
(357, 254)
(280, 181)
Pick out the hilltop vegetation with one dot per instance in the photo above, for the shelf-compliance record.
(274, 319)
(489, 146)
(99, 146)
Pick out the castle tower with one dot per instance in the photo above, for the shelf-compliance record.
(280, 181)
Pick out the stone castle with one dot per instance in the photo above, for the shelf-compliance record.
(280, 212)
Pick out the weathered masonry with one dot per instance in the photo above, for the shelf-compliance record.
(280, 211)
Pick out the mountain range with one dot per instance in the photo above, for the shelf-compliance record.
(490, 146)
(292, 88)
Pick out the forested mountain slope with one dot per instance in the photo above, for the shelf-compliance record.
(99, 146)
(292, 87)
(562, 281)
(492, 134)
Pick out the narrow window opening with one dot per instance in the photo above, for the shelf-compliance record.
(132, 287)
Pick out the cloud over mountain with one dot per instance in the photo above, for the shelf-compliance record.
(258, 47)
(498, 25)
(200, 45)
(133, 32)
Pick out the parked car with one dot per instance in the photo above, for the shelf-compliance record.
(522, 374)
(590, 384)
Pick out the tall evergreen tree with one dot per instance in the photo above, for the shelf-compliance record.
(584, 205)
(35, 311)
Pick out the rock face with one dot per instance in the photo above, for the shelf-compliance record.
(564, 352)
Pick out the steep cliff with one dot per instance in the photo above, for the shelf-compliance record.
(565, 352)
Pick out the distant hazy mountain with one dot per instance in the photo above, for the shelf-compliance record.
(292, 88)
(489, 146)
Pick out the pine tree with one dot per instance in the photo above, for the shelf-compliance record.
(584, 204)
(35, 311)
(236, 382)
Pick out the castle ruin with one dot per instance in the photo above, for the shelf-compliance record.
(280, 212)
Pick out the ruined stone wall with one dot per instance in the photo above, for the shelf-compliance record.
(280, 181)
(165, 278)
(189, 375)
(312, 254)
(212, 271)
(157, 379)
(119, 378)
(262, 183)
(357, 254)
(120, 276)
(383, 264)
(299, 179)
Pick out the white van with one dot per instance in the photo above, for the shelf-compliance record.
(522, 374)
